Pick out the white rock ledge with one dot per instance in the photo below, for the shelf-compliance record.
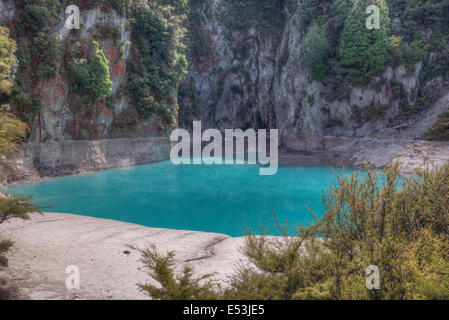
(46, 245)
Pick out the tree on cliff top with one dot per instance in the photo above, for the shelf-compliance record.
(363, 51)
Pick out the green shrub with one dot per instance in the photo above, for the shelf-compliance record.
(440, 130)
(361, 49)
(28, 107)
(90, 78)
(12, 130)
(36, 18)
(119, 5)
(158, 62)
(101, 84)
(267, 16)
(45, 54)
(7, 60)
(398, 223)
(200, 41)
(78, 70)
(317, 51)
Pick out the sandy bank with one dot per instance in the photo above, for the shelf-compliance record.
(106, 253)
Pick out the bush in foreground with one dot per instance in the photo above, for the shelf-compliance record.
(398, 223)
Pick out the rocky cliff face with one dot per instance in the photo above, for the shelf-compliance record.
(63, 115)
(37, 161)
(58, 121)
(256, 80)
(250, 78)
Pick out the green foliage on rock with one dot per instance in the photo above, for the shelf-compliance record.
(158, 62)
(99, 71)
(440, 131)
(90, 78)
(411, 32)
(185, 287)
(45, 54)
(267, 16)
(35, 18)
(7, 61)
(200, 44)
(398, 223)
(362, 50)
(12, 130)
(119, 5)
(317, 50)
(39, 52)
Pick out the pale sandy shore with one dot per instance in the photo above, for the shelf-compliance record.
(106, 253)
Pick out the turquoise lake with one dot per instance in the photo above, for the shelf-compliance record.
(222, 199)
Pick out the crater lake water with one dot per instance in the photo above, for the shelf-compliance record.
(219, 198)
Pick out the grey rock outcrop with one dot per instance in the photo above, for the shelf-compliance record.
(270, 86)
(36, 161)
(64, 116)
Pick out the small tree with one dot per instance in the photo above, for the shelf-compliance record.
(440, 131)
(317, 50)
(46, 52)
(7, 61)
(185, 287)
(365, 51)
(101, 84)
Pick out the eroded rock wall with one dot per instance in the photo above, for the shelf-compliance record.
(36, 161)
(251, 79)
(64, 115)
(270, 86)
(59, 119)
